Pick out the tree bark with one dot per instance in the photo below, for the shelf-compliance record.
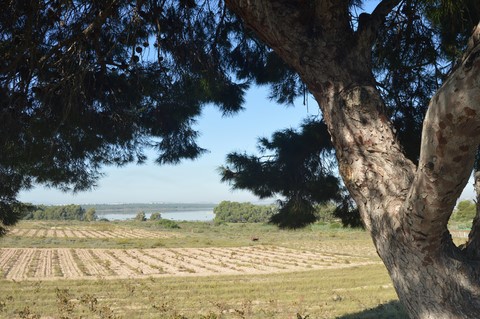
(405, 208)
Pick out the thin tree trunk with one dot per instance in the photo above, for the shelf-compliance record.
(405, 208)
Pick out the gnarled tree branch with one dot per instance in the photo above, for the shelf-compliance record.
(451, 134)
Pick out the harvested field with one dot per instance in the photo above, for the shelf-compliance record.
(71, 263)
(88, 233)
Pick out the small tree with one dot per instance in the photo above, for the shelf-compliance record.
(90, 215)
(140, 217)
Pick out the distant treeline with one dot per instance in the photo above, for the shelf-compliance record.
(65, 212)
(235, 212)
(147, 208)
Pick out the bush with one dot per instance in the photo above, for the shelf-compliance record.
(167, 223)
(235, 212)
(465, 211)
(90, 215)
(140, 217)
(155, 216)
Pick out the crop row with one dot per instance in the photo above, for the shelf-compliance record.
(69, 263)
(86, 233)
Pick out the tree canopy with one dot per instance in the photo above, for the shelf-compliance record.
(296, 165)
(91, 83)
(85, 84)
(65, 212)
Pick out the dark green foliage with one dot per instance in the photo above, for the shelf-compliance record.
(234, 212)
(11, 212)
(90, 83)
(413, 54)
(453, 21)
(295, 165)
(85, 84)
(294, 213)
(348, 213)
(409, 69)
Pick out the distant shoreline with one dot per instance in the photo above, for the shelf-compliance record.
(149, 208)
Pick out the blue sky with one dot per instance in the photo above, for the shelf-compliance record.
(196, 181)
(191, 181)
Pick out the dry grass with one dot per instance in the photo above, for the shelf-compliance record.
(320, 293)
(315, 273)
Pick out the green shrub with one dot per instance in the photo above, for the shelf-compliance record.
(465, 211)
(90, 215)
(167, 223)
(235, 212)
(155, 216)
(140, 217)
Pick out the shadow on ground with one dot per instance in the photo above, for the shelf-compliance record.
(391, 310)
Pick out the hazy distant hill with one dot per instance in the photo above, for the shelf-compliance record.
(148, 208)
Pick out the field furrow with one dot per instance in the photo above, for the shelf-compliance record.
(68, 265)
(44, 267)
(157, 258)
(241, 260)
(215, 262)
(133, 263)
(72, 263)
(20, 269)
(156, 266)
(114, 264)
(88, 233)
(92, 265)
(6, 256)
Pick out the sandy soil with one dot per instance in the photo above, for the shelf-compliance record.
(68, 263)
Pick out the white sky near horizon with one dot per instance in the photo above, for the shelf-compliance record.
(196, 181)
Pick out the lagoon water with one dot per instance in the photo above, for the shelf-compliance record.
(191, 215)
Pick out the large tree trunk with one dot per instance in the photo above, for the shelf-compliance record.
(405, 208)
